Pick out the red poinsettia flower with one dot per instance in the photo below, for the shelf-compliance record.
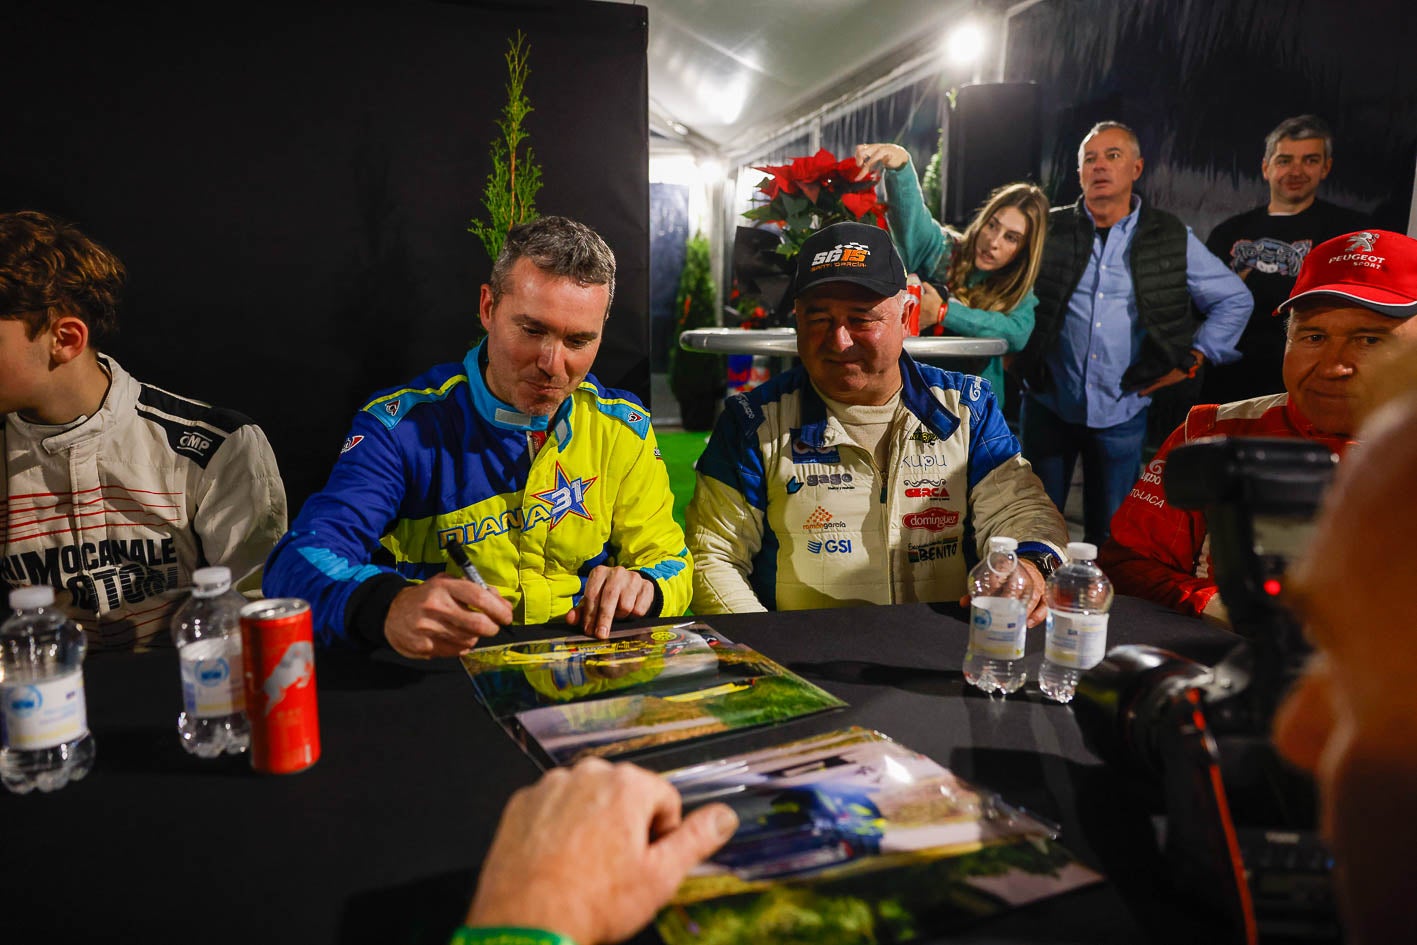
(859, 203)
(803, 173)
(812, 192)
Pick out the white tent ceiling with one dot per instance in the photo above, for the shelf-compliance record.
(723, 74)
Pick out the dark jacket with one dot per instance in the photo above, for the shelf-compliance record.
(1158, 265)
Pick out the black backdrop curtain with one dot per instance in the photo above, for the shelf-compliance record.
(290, 186)
(1203, 83)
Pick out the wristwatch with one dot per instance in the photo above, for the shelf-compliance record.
(1045, 561)
(1197, 359)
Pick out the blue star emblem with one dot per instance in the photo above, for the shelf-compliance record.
(568, 498)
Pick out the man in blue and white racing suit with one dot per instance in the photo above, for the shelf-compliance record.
(551, 481)
(860, 476)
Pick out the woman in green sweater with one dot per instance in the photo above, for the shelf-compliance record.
(977, 283)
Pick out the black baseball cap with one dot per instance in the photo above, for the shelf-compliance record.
(850, 252)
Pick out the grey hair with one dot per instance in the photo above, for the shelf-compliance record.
(558, 246)
(1299, 128)
(1102, 126)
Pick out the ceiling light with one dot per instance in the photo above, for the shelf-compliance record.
(965, 44)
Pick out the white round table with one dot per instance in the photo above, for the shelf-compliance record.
(783, 342)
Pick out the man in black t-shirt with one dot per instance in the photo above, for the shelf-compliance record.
(1265, 246)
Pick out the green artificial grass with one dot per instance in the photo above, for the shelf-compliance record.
(680, 452)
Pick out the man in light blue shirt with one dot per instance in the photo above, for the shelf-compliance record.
(1114, 325)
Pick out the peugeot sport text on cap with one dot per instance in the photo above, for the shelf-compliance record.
(1376, 269)
(850, 252)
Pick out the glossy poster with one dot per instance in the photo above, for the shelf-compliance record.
(852, 837)
(570, 697)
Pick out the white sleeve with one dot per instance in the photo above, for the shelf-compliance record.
(724, 534)
(241, 506)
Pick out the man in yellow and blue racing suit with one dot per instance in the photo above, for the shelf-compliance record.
(552, 482)
(860, 476)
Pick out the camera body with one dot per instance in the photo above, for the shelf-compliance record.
(1241, 823)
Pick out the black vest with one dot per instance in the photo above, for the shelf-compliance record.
(1158, 262)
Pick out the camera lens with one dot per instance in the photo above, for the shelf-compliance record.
(1122, 703)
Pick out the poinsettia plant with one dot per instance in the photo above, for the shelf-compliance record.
(813, 192)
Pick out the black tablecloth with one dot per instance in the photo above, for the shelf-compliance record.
(380, 841)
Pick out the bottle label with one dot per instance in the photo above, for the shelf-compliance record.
(1078, 641)
(997, 627)
(44, 714)
(212, 685)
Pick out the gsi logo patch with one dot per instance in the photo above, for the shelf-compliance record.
(832, 546)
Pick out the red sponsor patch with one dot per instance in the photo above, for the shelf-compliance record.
(350, 442)
(927, 492)
(935, 520)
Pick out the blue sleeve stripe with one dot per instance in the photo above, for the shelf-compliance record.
(763, 579)
(667, 568)
(590, 564)
(992, 443)
(336, 568)
(736, 465)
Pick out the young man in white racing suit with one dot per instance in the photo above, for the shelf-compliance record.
(115, 490)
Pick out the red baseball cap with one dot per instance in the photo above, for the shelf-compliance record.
(1376, 269)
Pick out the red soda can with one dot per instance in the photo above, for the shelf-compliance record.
(914, 286)
(278, 659)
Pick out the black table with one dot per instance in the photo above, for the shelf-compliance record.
(380, 840)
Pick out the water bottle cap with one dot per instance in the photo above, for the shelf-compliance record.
(1082, 551)
(29, 598)
(1002, 543)
(209, 582)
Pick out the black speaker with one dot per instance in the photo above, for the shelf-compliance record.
(993, 136)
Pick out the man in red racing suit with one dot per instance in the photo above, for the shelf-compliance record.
(1352, 302)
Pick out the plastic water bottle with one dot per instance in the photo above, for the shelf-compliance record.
(207, 631)
(1079, 596)
(998, 620)
(44, 739)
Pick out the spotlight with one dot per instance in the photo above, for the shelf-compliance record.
(965, 44)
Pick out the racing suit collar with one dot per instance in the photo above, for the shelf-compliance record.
(122, 396)
(1307, 430)
(813, 416)
(916, 396)
(496, 411)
